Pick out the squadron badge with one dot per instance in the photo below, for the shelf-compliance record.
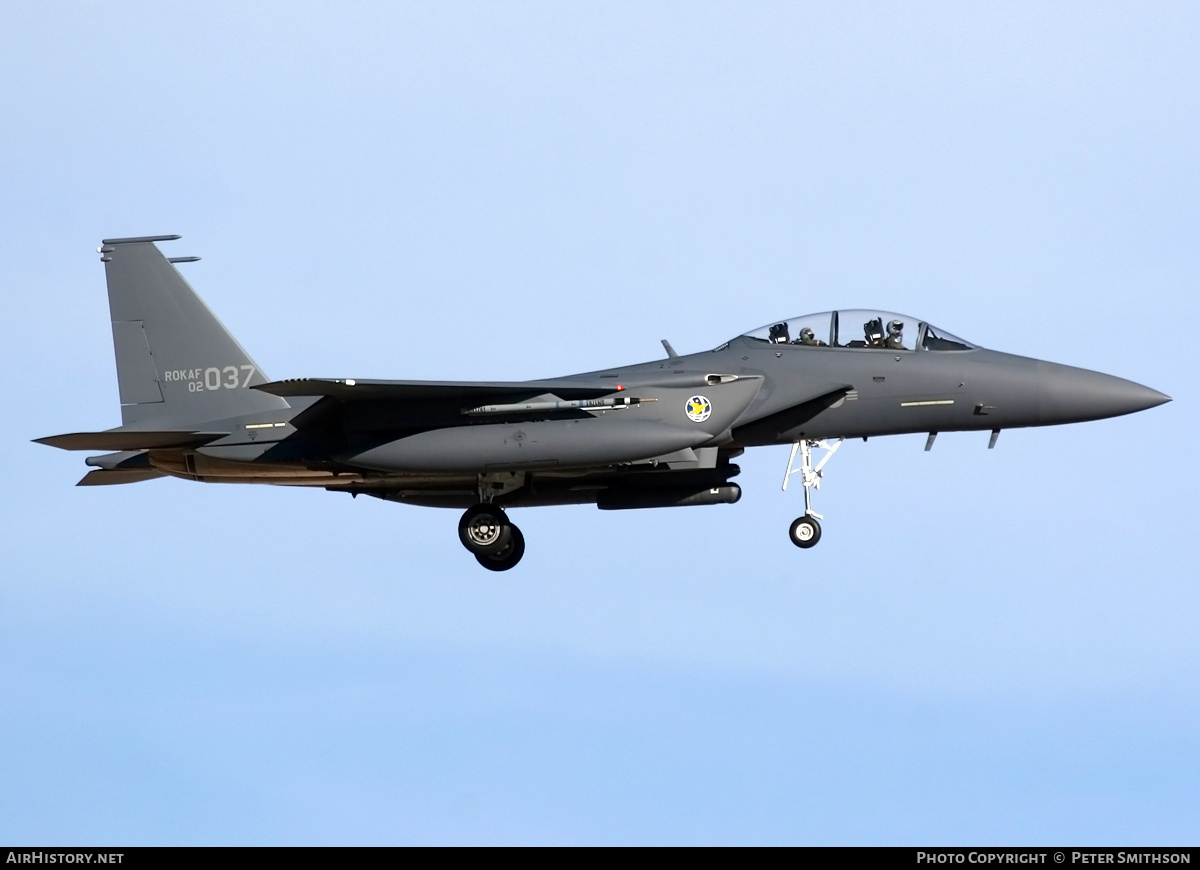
(698, 408)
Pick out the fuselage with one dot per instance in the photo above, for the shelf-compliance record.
(782, 393)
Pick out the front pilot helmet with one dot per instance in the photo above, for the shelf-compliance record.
(896, 327)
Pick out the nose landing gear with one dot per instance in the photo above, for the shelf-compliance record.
(805, 531)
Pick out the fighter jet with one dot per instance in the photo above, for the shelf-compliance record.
(194, 405)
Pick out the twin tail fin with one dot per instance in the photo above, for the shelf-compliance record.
(177, 364)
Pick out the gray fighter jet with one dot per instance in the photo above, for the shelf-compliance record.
(194, 405)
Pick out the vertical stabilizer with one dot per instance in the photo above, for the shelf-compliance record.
(177, 365)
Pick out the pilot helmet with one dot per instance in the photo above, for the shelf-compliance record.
(807, 333)
(896, 327)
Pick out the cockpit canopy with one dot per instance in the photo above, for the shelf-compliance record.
(859, 328)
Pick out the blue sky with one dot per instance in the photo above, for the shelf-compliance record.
(987, 646)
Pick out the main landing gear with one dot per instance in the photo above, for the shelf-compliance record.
(490, 537)
(485, 529)
(805, 531)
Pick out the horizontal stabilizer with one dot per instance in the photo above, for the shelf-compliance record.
(129, 439)
(349, 390)
(107, 477)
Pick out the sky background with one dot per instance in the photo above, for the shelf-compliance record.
(987, 647)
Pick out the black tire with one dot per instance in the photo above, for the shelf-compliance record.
(484, 529)
(805, 532)
(508, 556)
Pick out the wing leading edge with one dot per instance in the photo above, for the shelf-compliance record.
(351, 390)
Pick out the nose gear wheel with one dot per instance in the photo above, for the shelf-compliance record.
(805, 532)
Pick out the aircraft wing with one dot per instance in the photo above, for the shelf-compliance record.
(350, 390)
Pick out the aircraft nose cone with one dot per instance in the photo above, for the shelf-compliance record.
(1070, 395)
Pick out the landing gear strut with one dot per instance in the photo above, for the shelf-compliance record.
(490, 537)
(806, 531)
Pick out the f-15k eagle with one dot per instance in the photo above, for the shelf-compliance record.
(194, 405)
